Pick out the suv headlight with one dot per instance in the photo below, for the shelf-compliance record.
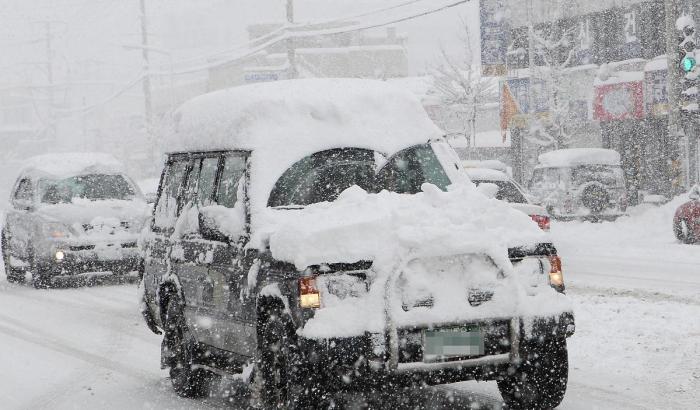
(56, 230)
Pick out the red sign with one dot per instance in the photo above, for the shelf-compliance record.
(620, 101)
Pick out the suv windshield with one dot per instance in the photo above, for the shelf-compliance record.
(605, 174)
(91, 187)
(324, 175)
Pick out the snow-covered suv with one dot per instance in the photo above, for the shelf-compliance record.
(72, 214)
(580, 183)
(320, 234)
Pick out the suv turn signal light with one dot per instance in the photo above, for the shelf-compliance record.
(309, 296)
(556, 277)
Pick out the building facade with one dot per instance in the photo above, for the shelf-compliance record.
(605, 62)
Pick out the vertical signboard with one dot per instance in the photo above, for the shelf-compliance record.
(494, 37)
(656, 84)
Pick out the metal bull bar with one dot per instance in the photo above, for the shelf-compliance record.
(391, 336)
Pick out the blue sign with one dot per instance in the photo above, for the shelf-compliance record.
(494, 37)
(519, 89)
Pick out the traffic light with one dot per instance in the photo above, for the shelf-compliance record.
(690, 72)
(688, 63)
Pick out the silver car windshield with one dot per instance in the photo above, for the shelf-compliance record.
(91, 187)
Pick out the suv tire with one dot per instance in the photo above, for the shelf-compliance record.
(13, 274)
(683, 232)
(539, 382)
(187, 380)
(279, 364)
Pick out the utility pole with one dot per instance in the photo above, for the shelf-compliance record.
(673, 80)
(291, 51)
(148, 107)
(49, 77)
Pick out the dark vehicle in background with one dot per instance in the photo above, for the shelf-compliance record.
(686, 220)
(510, 192)
(580, 183)
(218, 287)
(72, 214)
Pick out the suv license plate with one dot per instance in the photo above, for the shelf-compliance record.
(445, 344)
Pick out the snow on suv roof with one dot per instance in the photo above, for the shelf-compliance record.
(305, 116)
(579, 156)
(283, 122)
(486, 174)
(73, 163)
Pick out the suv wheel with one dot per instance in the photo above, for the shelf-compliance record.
(683, 233)
(178, 347)
(278, 364)
(13, 274)
(540, 381)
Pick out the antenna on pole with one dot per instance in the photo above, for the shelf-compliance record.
(291, 51)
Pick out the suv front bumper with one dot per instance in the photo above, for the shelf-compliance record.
(377, 357)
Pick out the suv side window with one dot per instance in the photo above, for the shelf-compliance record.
(231, 176)
(171, 186)
(201, 182)
(24, 190)
(207, 180)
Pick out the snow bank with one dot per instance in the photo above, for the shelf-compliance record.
(285, 121)
(69, 164)
(579, 156)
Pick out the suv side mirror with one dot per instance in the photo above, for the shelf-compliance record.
(218, 223)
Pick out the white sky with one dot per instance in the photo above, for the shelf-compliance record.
(89, 33)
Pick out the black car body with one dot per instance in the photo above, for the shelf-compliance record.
(230, 295)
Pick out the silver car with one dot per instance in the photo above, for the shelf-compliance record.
(72, 214)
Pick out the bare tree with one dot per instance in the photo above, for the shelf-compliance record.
(555, 52)
(459, 85)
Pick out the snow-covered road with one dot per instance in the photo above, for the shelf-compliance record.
(636, 294)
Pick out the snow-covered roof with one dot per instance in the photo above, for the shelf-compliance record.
(486, 174)
(579, 156)
(70, 164)
(283, 122)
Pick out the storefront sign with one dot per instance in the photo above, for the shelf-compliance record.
(619, 101)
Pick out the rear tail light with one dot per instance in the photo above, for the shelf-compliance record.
(309, 296)
(542, 221)
(556, 277)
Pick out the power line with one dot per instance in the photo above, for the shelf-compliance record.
(271, 35)
(312, 33)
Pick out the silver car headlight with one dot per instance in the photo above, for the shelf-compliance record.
(57, 230)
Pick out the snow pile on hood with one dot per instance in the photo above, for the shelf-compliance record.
(104, 216)
(579, 156)
(70, 164)
(388, 227)
(285, 121)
